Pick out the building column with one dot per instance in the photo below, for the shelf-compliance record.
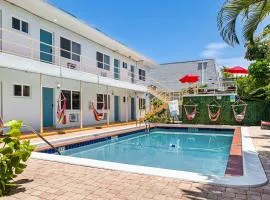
(41, 103)
(108, 107)
(81, 105)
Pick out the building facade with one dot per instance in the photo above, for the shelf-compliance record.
(168, 74)
(47, 53)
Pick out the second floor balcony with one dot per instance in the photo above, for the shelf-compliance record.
(45, 51)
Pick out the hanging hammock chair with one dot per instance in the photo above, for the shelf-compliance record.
(214, 110)
(61, 109)
(239, 116)
(98, 116)
(190, 115)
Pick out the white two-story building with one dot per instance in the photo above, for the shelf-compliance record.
(46, 53)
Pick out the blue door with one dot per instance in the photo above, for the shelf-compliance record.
(116, 109)
(46, 49)
(47, 107)
(133, 115)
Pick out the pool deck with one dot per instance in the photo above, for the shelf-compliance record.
(51, 180)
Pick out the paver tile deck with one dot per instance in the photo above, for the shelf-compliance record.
(52, 180)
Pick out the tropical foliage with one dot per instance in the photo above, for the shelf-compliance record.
(257, 84)
(252, 12)
(13, 155)
(160, 117)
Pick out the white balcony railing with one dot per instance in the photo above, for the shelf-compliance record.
(20, 44)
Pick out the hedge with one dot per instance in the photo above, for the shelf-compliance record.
(256, 111)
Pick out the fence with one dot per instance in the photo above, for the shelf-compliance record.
(256, 111)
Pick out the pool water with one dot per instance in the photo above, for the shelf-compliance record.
(204, 152)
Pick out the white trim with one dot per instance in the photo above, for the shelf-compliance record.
(254, 174)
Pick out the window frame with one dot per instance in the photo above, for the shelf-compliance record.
(105, 65)
(124, 65)
(22, 90)
(70, 104)
(142, 104)
(71, 54)
(20, 25)
(142, 74)
(100, 104)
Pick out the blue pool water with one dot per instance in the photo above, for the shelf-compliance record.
(202, 151)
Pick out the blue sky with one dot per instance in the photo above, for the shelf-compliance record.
(166, 31)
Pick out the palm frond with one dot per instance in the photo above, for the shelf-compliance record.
(232, 10)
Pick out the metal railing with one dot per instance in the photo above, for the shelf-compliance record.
(24, 46)
(41, 137)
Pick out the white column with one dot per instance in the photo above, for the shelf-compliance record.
(108, 107)
(41, 103)
(81, 105)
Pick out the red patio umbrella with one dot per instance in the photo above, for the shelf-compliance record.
(189, 78)
(236, 70)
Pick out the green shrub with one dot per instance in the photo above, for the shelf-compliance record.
(13, 155)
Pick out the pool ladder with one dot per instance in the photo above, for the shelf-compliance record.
(41, 137)
(147, 126)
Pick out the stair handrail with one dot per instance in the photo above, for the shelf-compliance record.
(40, 136)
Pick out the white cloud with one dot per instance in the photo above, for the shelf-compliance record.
(214, 50)
(236, 61)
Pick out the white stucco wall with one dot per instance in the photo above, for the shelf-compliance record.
(28, 108)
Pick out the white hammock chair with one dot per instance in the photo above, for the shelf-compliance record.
(239, 117)
(214, 105)
(190, 115)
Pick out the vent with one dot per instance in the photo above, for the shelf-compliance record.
(71, 66)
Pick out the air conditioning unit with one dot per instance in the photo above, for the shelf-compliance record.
(73, 118)
(104, 74)
(71, 66)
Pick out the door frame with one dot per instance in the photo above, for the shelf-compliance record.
(53, 108)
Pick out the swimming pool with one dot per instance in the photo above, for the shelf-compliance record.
(202, 151)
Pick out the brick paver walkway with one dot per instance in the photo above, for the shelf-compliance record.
(51, 180)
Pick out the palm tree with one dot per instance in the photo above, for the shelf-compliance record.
(252, 12)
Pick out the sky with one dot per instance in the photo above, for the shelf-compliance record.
(163, 30)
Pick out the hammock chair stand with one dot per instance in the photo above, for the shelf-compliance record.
(61, 110)
(214, 116)
(190, 115)
(239, 117)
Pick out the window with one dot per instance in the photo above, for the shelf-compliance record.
(101, 100)
(24, 27)
(76, 101)
(141, 75)
(16, 24)
(125, 65)
(67, 95)
(73, 99)
(76, 51)
(21, 90)
(142, 104)
(19, 25)
(70, 50)
(103, 61)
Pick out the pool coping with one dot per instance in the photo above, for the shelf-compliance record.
(253, 172)
(235, 161)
